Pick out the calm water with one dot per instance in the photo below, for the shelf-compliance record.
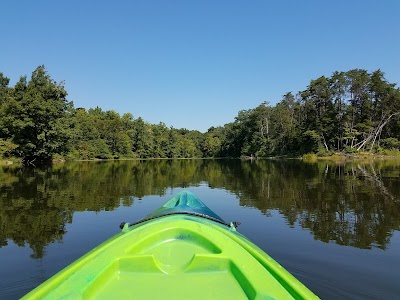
(335, 227)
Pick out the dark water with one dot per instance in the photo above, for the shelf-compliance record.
(335, 227)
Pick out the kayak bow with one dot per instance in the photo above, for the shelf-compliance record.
(182, 250)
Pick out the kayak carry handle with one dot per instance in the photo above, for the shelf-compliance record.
(235, 224)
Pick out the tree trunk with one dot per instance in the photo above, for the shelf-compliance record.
(323, 138)
(379, 129)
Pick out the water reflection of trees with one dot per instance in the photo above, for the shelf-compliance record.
(36, 204)
(352, 204)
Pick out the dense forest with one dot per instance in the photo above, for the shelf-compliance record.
(347, 112)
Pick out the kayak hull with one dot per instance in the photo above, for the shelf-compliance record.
(172, 255)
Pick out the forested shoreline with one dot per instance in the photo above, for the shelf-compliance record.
(347, 112)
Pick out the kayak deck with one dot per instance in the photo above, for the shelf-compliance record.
(174, 257)
(177, 262)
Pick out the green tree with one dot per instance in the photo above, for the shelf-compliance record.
(143, 139)
(4, 81)
(37, 112)
(160, 146)
(4, 98)
(320, 110)
(211, 145)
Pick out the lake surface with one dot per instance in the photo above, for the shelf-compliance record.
(333, 226)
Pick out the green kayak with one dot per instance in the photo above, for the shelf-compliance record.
(182, 250)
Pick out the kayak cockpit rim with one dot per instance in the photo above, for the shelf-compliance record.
(190, 213)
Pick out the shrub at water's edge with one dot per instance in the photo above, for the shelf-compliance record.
(362, 155)
(310, 157)
(395, 153)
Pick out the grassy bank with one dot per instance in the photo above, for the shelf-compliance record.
(9, 161)
(341, 157)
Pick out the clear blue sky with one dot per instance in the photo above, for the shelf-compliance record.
(195, 64)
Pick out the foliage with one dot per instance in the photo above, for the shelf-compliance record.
(348, 112)
(33, 116)
(390, 152)
(391, 143)
(6, 148)
(310, 157)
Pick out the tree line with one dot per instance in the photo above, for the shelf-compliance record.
(346, 112)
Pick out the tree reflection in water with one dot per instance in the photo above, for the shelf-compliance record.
(355, 204)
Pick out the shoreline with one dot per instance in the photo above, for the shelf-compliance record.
(309, 157)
